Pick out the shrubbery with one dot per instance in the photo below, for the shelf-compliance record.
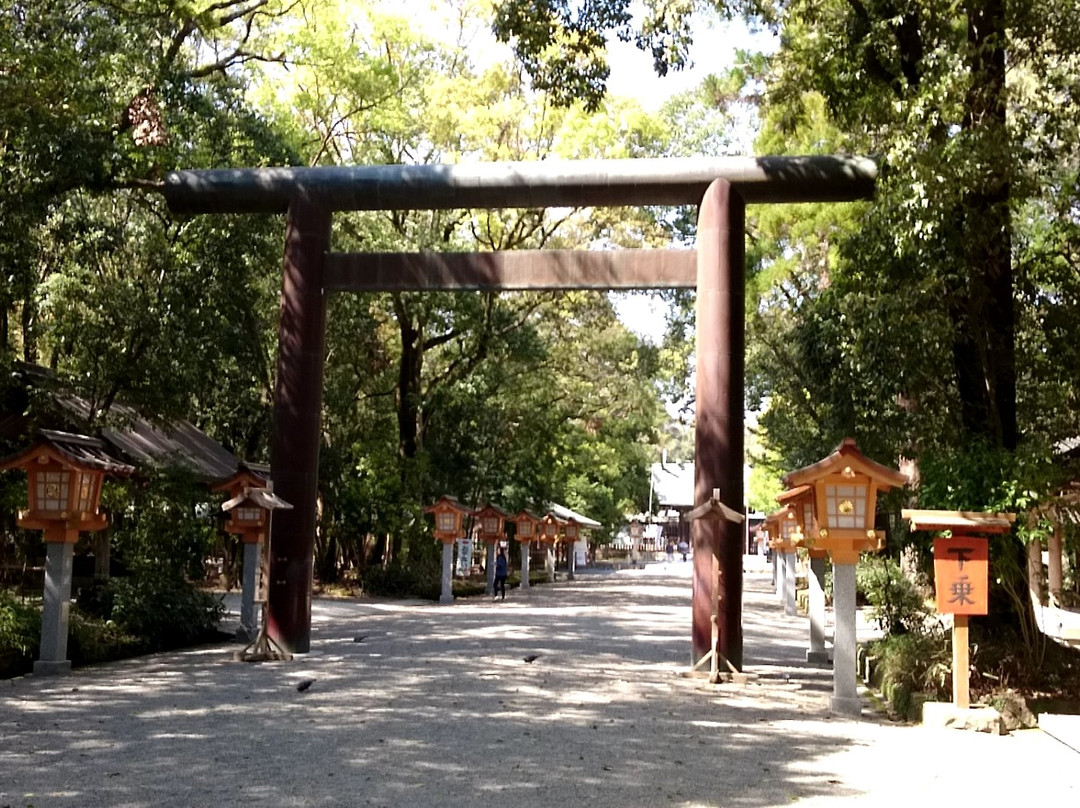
(20, 631)
(913, 667)
(896, 603)
(164, 612)
(419, 579)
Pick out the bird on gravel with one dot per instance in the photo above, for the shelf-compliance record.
(359, 638)
(532, 657)
(305, 684)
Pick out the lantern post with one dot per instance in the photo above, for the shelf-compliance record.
(571, 534)
(250, 507)
(525, 531)
(845, 486)
(800, 504)
(64, 474)
(550, 528)
(449, 515)
(490, 522)
(635, 540)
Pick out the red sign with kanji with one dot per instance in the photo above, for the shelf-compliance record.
(961, 573)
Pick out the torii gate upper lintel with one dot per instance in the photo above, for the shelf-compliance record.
(721, 186)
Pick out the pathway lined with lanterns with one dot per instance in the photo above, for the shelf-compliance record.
(564, 694)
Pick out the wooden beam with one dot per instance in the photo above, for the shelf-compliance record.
(512, 270)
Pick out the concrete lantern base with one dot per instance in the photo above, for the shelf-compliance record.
(46, 667)
(847, 705)
(818, 658)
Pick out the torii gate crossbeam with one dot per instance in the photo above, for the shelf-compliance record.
(721, 186)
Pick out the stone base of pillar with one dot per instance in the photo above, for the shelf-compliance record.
(47, 667)
(247, 633)
(818, 658)
(846, 705)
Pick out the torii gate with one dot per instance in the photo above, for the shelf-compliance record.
(720, 186)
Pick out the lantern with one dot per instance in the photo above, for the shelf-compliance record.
(635, 532)
(490, 521)
(248, 518)
(845, 486)
(571, 531)
(64, 476)
(550, 527)
(449, 516)
(525, 526)
(64, 473)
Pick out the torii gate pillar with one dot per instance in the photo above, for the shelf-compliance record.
(294, 452)
(718, 439)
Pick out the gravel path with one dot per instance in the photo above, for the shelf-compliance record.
(416, 704)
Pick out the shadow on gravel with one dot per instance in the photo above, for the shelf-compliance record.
(422, 705)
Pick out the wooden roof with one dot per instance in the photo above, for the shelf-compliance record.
(77, 450)
(847, 455)
(447, 502)
(959, 521)
(128, 434)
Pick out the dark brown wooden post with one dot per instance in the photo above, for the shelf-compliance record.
(294, 458)
(718, 440)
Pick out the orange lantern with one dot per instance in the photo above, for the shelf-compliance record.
(449, 517)
(64, 477)
(526, 526)
(550, 528)
(251, 500)
(845, 486)
(64, 474)
(491, 523)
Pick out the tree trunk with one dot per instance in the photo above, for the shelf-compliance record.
(984, 317)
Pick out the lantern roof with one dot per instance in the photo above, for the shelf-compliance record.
(526, 515)
(251, 475)
(262, 497)
(490, 509)
(793, 495)
(960, 521)
(846, 456)
(447, 503)
(68, 449)
(564, 513)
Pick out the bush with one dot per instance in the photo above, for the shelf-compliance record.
(164, 612)
(92, 640)
(896, 604)
(20, 633)
(912, 668)
(420, 579)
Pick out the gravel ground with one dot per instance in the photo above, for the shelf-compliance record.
(415, 704)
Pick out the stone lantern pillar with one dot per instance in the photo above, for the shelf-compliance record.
(490, 522)
(550, 528)
(526, 529)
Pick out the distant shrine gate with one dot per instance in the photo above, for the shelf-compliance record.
(721, 187)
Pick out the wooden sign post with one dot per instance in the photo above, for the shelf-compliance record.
(961, 577)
